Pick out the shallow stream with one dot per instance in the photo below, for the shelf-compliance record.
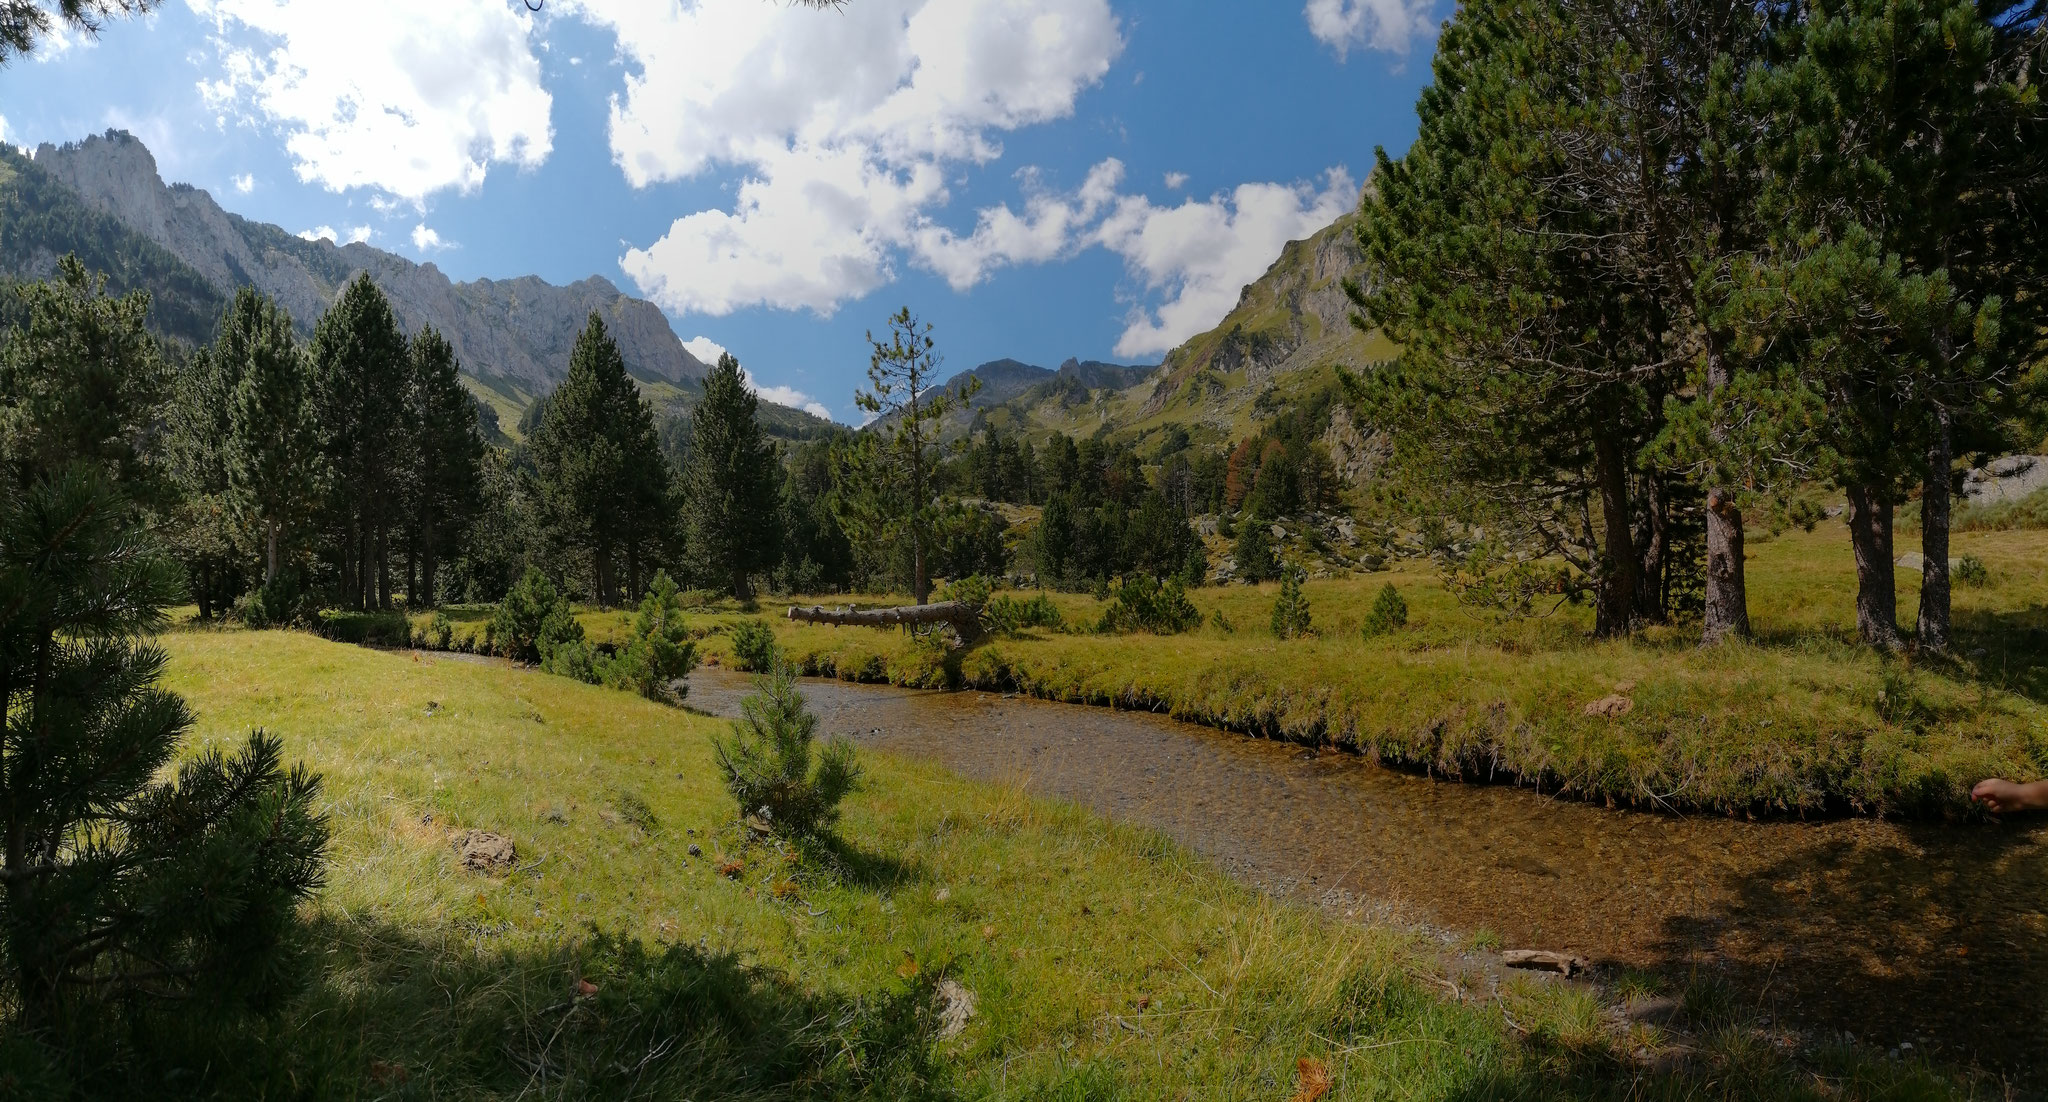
(1929, 934)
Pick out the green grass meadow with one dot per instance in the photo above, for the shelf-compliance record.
(612, 962)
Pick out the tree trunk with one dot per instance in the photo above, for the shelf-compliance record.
(1727, 605)
(1618, 563)
(920, 584)
(1726, 615)
(742, 586)
(1934, 522)
(430, 564)
(1870, 534)
(270, 567)
(1651, 603)
(366, 594)
(965, 621)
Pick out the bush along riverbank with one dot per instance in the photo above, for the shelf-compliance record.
(1803, 721)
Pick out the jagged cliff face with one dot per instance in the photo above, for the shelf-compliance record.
(519, 329)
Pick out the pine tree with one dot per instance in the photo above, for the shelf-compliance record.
(1253, 551)
(272, 449)
(361, 365)
(730, 487)
(770, 765)
(24, 22)
(120, 884)
(604, 486)
(1290, 612)
(445, 484)
(894, 473)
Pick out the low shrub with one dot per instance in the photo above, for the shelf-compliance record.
(1142, 603)
(973, 591)
(767, 761)
(281, 602)
(1970, 571)
(753, 646)
(1389, 613)
(366, 629)
(659, 655)
(1291, 618)
(532, 621)
(1007, 615)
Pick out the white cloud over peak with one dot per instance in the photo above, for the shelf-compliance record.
(708, 351)
(844, 124)
(244, 183)
(1386, 25)
(328, 234)
(427, 240)
(1201, 254)
(389, 95)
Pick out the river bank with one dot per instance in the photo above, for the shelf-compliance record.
(1921, 935)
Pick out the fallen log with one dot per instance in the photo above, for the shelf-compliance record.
(962, 618)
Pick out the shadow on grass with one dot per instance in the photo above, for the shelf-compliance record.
(859, 868)
(1939, 940)
(392, 1015)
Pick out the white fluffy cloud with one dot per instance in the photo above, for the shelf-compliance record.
(1201, 254)
(1375, 24)
(330, 235)
(427, 240)
(3, 128)
(1050, 227)
(843, 123)
(372, 95)
(708, 351)
(245, 183)
(1176, 181)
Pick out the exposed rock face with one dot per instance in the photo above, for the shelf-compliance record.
(520, 329)
(2007, 479)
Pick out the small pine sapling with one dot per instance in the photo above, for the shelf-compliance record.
(767, 761)
(753, 646)
(1290, 613)
(1389, 613)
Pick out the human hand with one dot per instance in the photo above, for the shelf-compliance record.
(2001, 795)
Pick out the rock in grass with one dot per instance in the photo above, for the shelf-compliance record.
(1542, 960)
(956, 1006)
(485, 852)
(1611, 706)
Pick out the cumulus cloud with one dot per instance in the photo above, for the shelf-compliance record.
(1049, 228)
(1199, 255)
(368, 97)
(245, 183)
(1176, 181)
(427, 240)
(3, 128)
(843, 124)
(708, 350)
(332, 237)
(1387, 25)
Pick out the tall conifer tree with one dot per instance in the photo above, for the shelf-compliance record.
(272, 449)
(360, 360)
(444, 485)
(731, 493)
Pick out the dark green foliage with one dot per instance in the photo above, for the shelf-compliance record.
(816, 555)
(1290, 612)
(280, 602)
(974, 591)
(362, 369)
(604, 491)
(767, 761)
(533, 620)
(1141, 603)
(1971, 571)
(1253, 551)
(121, 886)
(753, 646)
(365, 629)
(969, 539)
(1052, 543)
(444, 481)
(730, 491)
(659, 654)
(1389, 613)
(272, 450)
(1009, 615)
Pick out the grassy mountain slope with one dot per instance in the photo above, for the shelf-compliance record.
(1277, 347)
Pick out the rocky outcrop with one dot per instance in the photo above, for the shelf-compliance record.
(521, 329)
(2006, 479)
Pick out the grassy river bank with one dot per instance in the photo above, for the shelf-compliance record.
(642, 947)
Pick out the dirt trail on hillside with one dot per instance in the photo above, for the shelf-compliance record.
(1896, 933)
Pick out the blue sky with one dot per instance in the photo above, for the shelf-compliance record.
(1038, 178)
